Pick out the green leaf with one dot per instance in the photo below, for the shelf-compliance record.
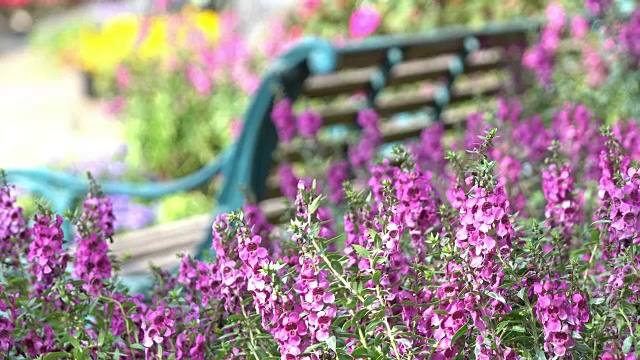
(360, 314)
(369, 300)
(596, 301)
(361, 251)
(462, 331)
(359, 352)
(314, 205)
(137, 347)
(376, 277)
(337, 266)
(234, 317)
(72, 340)
(57, 355)
(496, 296)
(626, 345)
(101, 337)
(331, 343)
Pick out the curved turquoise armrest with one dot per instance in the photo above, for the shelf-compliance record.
(62, 189)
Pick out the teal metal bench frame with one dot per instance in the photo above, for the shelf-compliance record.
(245, 165)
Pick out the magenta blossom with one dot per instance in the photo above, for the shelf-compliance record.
(200, 81)
(309, 122)
(364, 21)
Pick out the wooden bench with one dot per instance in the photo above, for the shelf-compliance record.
(456, 67)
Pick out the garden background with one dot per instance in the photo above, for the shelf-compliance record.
(515, 236)
(122, 132)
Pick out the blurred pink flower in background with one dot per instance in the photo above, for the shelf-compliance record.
(123, 77)
(279, 38)
(597, 71)
(247, 81)
(116, 105)
(364, 21)
(556, 16)
(161, 5)
(235, 128)
(550, 39)
(579, 27)
(200, 81)
(309, 7)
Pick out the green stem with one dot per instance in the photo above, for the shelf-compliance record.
(335, 273)
(392, 338)
(124, 314)
(251, 337)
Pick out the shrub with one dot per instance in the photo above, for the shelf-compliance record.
(463, 261)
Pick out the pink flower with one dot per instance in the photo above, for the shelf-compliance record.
(309, 123)
(364, 21)
(579, 27)
(123, 78)
(236, 128)
(556, 16)
(309, 7)
(200, 81)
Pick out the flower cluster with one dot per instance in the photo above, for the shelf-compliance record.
(13, 228)
(562, 209)
(92, 262)
(46, 256)
(158, 327)
(560, 316)
(485, 234)
(629, 38)
(361, 154)
(306, 124)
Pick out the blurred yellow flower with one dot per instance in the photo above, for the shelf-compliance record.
(207, 23)
(129, 38)
(154, 40)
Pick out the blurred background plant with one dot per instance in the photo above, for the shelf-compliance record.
(180, 77)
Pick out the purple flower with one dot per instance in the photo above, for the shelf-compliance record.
(337, 174)
(36, 345)
(429, 152)
(317, 294)
(556, 16)
(46, 256)
(13, 226)
(123, 78)
(541, 61)
(321, 322)
(629, 37)
(562, 209)
(251, 252)
(98, 215)
(597, 7)
(92, 263)
(131, 215)
(284, 120)
(558, 317)
(288, 181)
(199, 80)
(197, 351)
(158, 327)
(417, 208)
(183, 344)
(579, 27)
(6, 330)
(368, 119)
(291, 330)
(309, 122)
(364, 21)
